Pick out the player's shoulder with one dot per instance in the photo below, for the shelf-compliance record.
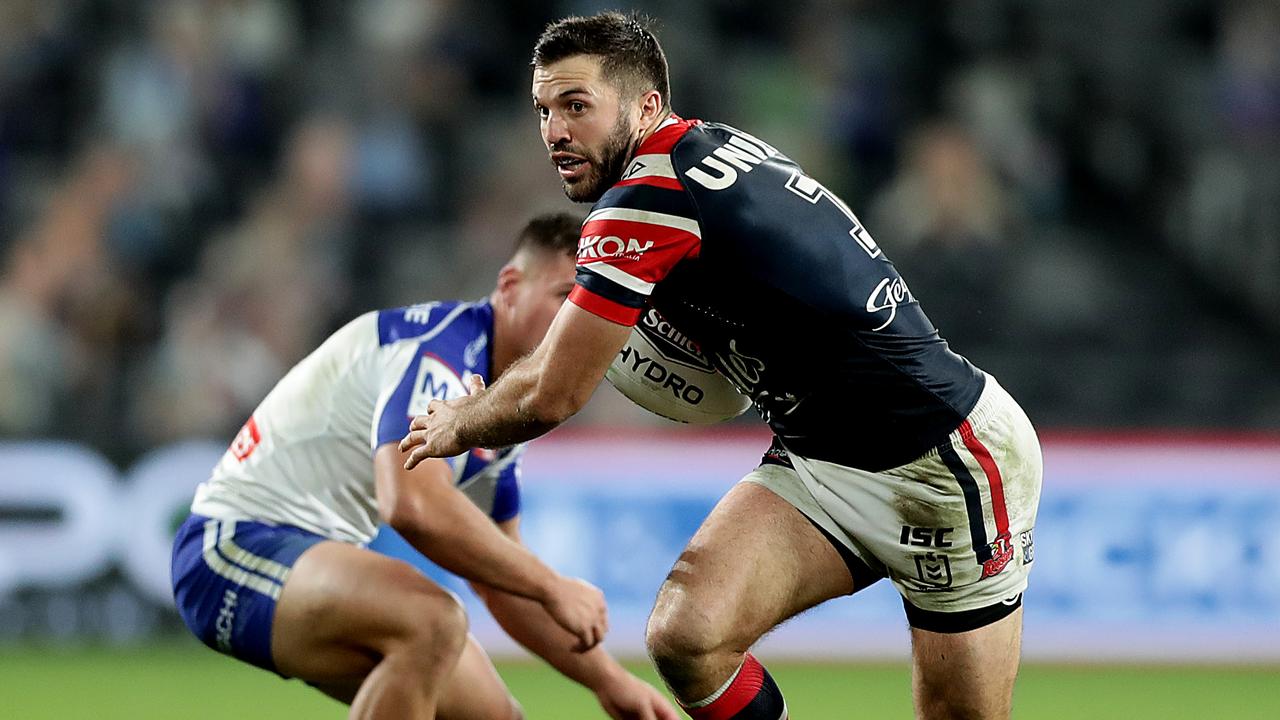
(650, 182)
(426, 321)
(712, 156)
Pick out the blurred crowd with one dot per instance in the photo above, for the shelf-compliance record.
(193, 193)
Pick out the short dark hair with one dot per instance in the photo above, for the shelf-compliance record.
(553, 233)
(630, 54)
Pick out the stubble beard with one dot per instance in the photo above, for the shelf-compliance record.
(606, 170)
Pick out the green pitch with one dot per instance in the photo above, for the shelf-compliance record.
(192, 683)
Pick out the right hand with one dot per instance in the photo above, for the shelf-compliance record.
(578, 606)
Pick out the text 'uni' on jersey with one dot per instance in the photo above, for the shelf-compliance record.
(304, 458)
(783, 290)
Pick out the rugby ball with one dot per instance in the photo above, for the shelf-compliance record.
(663, 371)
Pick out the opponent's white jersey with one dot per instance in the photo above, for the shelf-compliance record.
(304, 458)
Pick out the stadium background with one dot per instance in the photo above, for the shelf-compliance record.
(1082, 193)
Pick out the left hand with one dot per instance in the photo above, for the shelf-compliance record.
(630, 698)
(435, 435)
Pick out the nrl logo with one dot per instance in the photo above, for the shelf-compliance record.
(933, 569)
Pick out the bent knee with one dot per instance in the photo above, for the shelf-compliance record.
(428, 617)
(439, 618)
(673, 640)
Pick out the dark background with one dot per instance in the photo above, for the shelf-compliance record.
(1084, 195)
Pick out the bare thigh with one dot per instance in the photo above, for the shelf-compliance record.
(755, 562)
(966, 675)
(342, 609)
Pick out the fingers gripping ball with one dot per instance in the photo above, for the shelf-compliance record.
(664, 372)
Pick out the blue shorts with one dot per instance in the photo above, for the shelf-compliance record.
(227, 576)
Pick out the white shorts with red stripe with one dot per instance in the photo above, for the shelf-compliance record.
(952, 529)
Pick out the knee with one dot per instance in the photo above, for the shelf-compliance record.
(434, 623)
(675, 641)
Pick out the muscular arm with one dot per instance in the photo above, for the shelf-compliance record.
(528, 624)
(533, 396)
(621, 694)
(440, 522)
(433, 516)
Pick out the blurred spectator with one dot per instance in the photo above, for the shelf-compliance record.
(947, 222)
(65, 309)
(192, 192)
(1249, 67)
(265, 292)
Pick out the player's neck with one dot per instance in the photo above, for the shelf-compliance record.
(653, 126)
(501, 353)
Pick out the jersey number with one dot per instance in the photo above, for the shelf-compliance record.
(813, 191)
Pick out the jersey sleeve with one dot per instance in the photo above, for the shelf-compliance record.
(506, 497)
(394, 410)
(392, 418)
(641, 229)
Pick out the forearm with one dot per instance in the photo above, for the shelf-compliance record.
(510, 411)
(529, 624)
(463, 540)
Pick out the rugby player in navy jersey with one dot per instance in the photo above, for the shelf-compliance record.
(893, 456)
(270, 566)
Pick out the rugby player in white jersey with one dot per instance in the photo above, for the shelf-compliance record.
(270, 566)
(893, 456)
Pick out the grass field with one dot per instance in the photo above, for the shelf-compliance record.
(189, 682)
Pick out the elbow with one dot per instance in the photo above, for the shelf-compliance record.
(407, 515)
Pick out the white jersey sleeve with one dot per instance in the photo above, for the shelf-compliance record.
(304, 457)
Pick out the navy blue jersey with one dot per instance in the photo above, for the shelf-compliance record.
(783, 288)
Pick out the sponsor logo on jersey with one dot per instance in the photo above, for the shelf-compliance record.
(246, 441)
(471, 353)
(1027, 542)
(435, 381)
(742, 369)
(888, 294)
(671, 343)
(925, 537)
(420, 313)
(719, 169)
(1001, 554)
(934, 570)
(600, 247)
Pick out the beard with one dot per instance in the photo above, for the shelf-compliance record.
(605, 167)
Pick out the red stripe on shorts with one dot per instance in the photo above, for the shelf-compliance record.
(983, 456)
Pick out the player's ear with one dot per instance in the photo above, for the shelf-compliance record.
(650, 107)
(509, 279)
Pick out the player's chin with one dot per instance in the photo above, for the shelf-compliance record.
(584, 189)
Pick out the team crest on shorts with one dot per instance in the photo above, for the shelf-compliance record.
(934, 570)
(1000, 553)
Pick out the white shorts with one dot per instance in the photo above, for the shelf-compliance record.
(952, 529)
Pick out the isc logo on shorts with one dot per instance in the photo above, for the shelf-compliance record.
(925, 536)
